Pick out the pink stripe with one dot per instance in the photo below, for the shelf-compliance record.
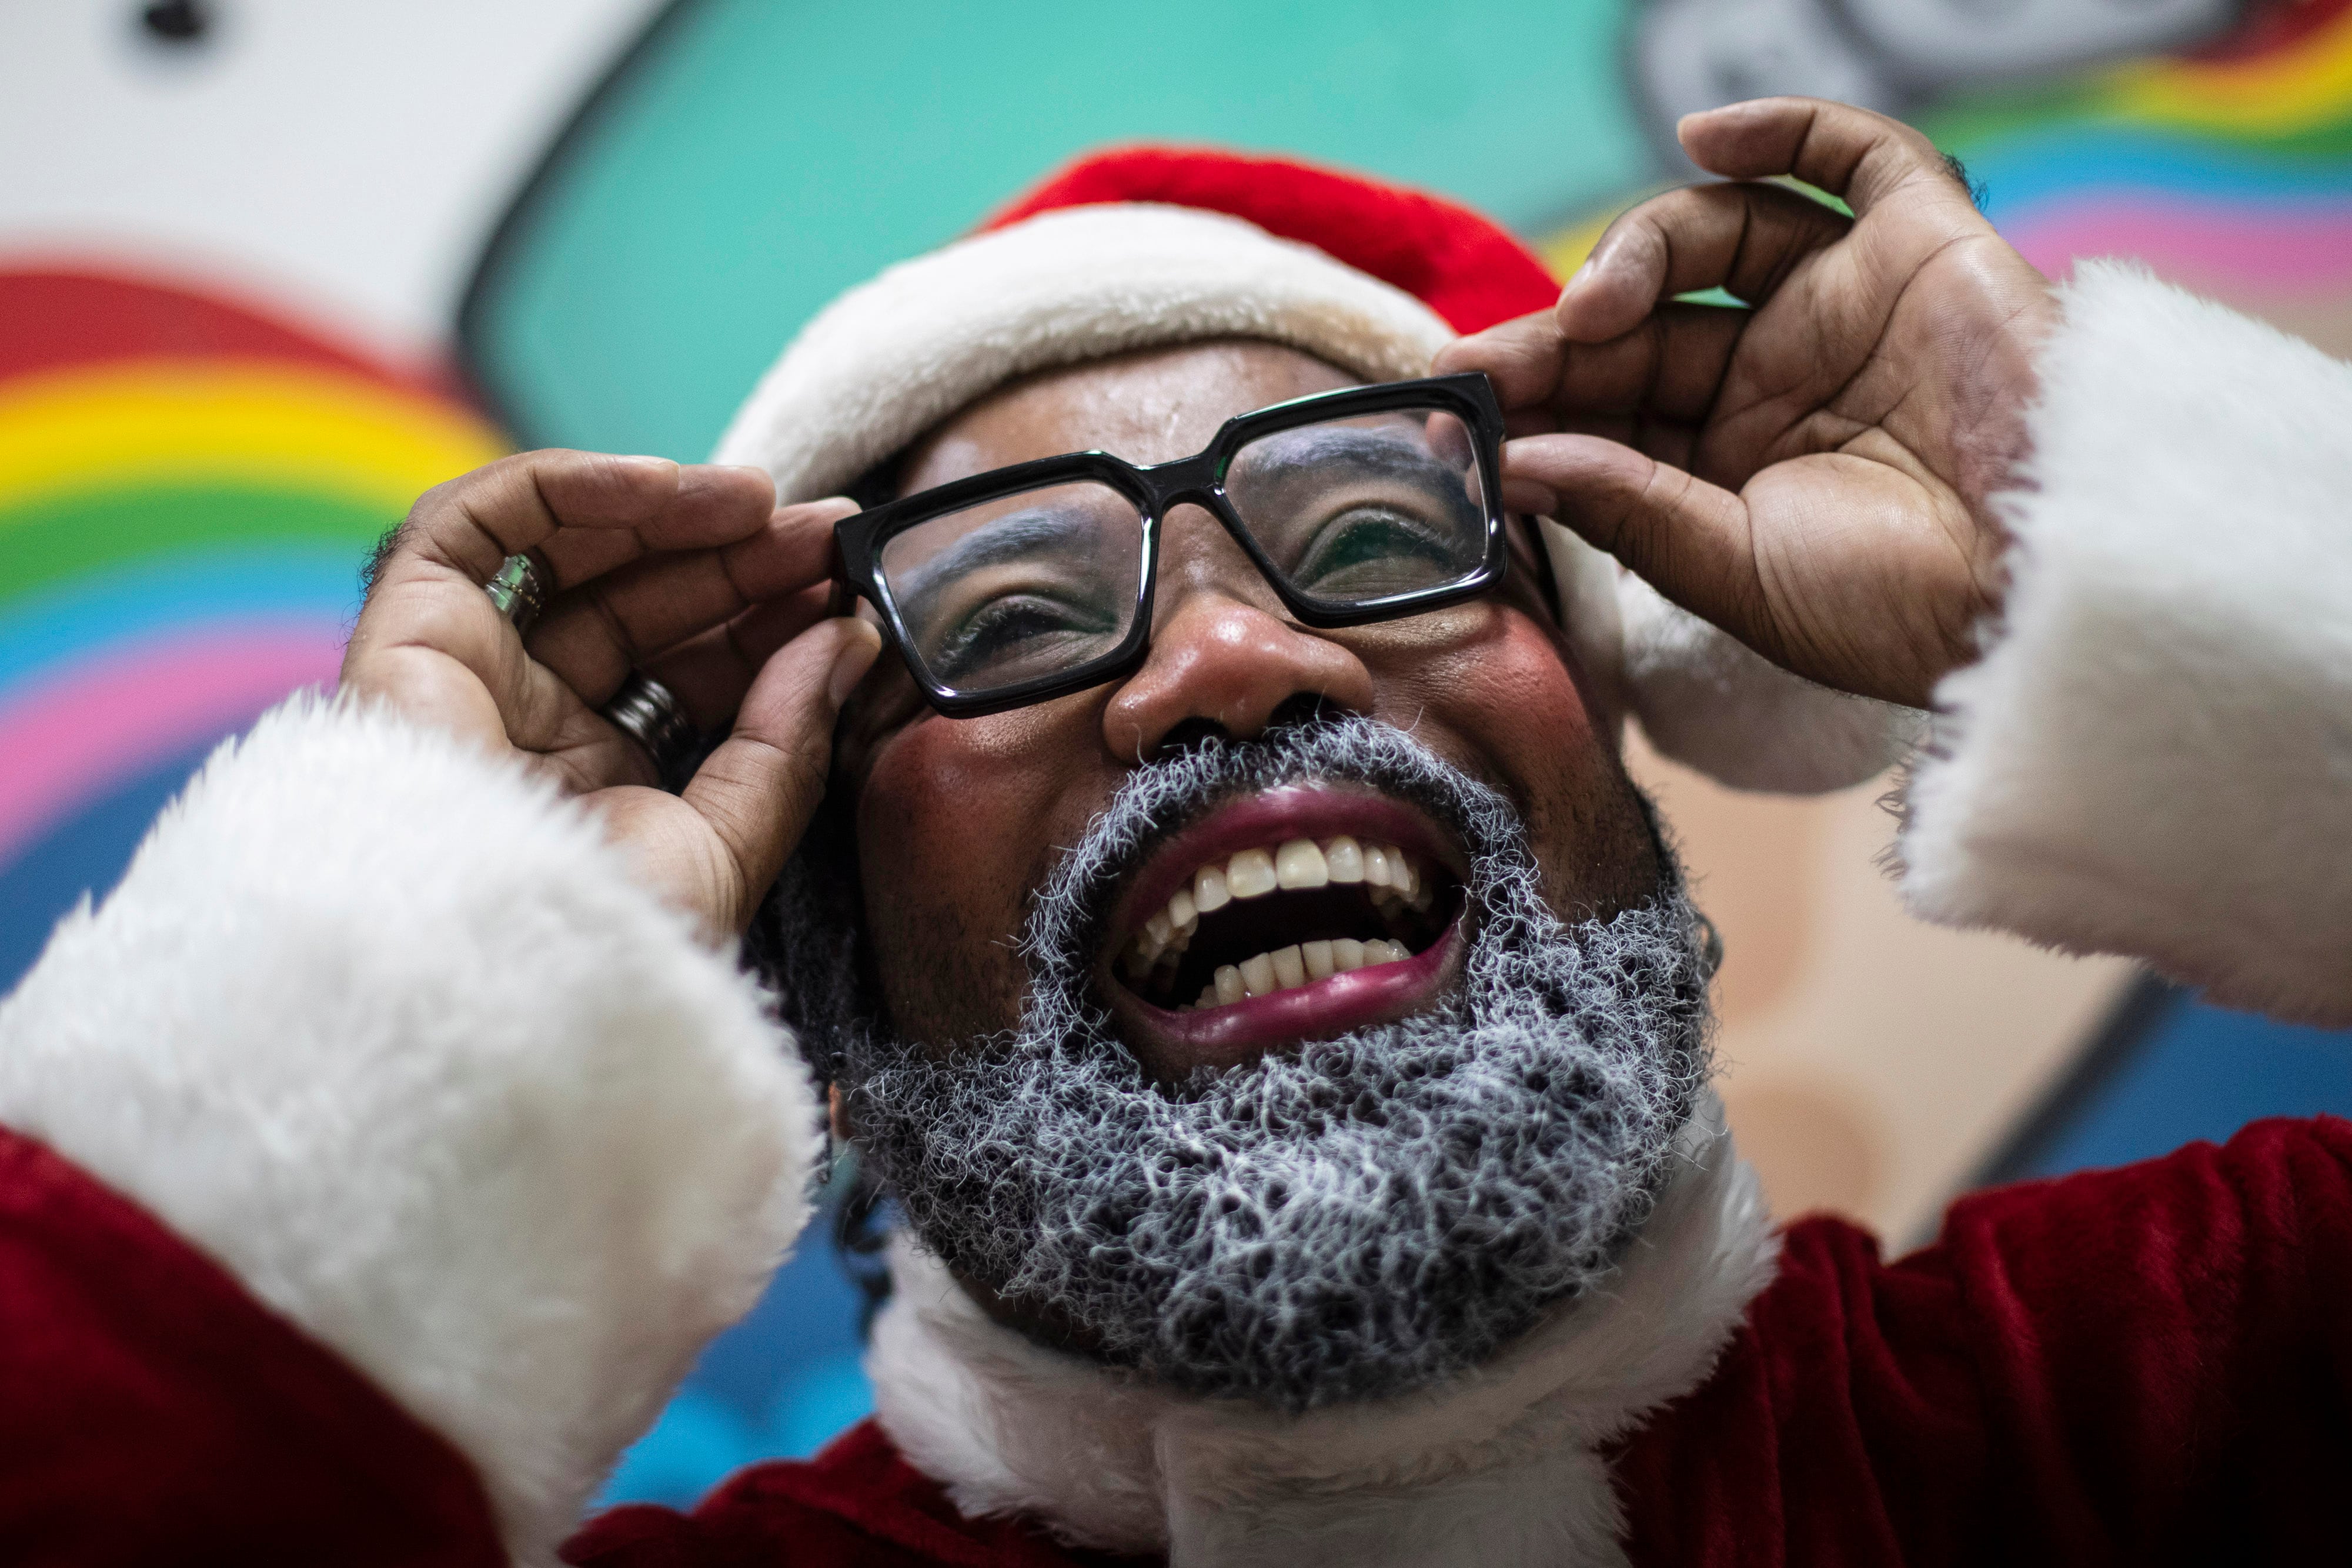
(2206, 244)
(107, 717)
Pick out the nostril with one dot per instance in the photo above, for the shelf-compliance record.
(1190, 736)
(1302, 709)
(1296, 711)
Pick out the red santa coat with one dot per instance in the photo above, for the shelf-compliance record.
(380, 1155)
(2149, 1364)
(2144, 1365)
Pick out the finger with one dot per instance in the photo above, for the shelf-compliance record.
(594, 635)
(711, 672)
(1522, 358)
(431, 644)
(427, 592)
(472, 523)
(427, 616)
(1689, 540)
(1668, 367)
(759, 788)
(714, 505)
(1850, 153)
(1744, 239)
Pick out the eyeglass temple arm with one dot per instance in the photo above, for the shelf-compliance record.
(844, 597)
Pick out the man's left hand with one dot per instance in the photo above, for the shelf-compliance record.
(1810, 474)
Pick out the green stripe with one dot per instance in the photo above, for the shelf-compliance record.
(1997, 114)
(46, 540)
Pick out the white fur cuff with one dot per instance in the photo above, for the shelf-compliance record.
(392, 1033)
(1707, 699)
(2155, 756)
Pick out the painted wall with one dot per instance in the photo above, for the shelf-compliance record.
(228, 267)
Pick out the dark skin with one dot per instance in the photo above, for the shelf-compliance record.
(1814, 474)
(994, 797)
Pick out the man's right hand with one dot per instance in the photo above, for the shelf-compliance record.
(1810, 474)
(690, 573)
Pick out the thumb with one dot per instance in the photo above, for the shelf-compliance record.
(759, 788)
(1691, 541)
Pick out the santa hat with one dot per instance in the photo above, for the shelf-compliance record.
(1148, 247)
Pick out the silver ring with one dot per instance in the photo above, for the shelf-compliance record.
(649, 713)
(518, 591)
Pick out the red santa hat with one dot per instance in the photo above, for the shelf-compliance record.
(1147, 246)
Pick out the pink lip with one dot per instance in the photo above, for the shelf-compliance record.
(1220, 1037)
(1266, 821)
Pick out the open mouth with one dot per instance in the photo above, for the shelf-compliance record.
(1282, 916)
(1290, 890)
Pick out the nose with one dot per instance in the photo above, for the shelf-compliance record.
(1219, 659)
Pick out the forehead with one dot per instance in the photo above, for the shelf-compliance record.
(1148, 407)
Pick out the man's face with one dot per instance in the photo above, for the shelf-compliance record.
(960, 822)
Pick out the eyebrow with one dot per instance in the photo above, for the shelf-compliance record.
(1013, 537)
(1292, 457)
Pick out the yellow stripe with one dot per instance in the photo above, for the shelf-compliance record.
(174, 421)
(2303, 87)
(1564, 251)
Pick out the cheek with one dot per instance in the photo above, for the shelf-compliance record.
(1500, 679)
(1521, 671)
(950, 819)
(1505, 693)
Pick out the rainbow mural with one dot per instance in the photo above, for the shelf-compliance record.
(187, 487)
(2228, 170)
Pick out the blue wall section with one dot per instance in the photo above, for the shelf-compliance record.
(2192, 1072)
(84, 854)
(756, 158)
(776, 1386)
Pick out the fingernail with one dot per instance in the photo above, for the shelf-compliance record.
(1575, 279)
(646, 467)
(849, 665)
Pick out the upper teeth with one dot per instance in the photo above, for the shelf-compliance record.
(1393, 876)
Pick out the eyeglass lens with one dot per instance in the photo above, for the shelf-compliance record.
(1361, 510)
(1018, 588)
(1349, 511)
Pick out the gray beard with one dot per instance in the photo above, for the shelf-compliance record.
(1354, 1218)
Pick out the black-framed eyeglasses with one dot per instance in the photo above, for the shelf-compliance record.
(1030, 582)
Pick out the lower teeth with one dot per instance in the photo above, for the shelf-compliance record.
(1291, 968)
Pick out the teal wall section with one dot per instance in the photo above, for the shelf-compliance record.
(756, 159)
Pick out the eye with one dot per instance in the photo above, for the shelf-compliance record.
(1002, 638)
(1370, 551)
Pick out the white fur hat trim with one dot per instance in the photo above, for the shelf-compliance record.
(892, 358)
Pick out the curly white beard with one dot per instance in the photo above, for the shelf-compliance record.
(1353, 1219)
